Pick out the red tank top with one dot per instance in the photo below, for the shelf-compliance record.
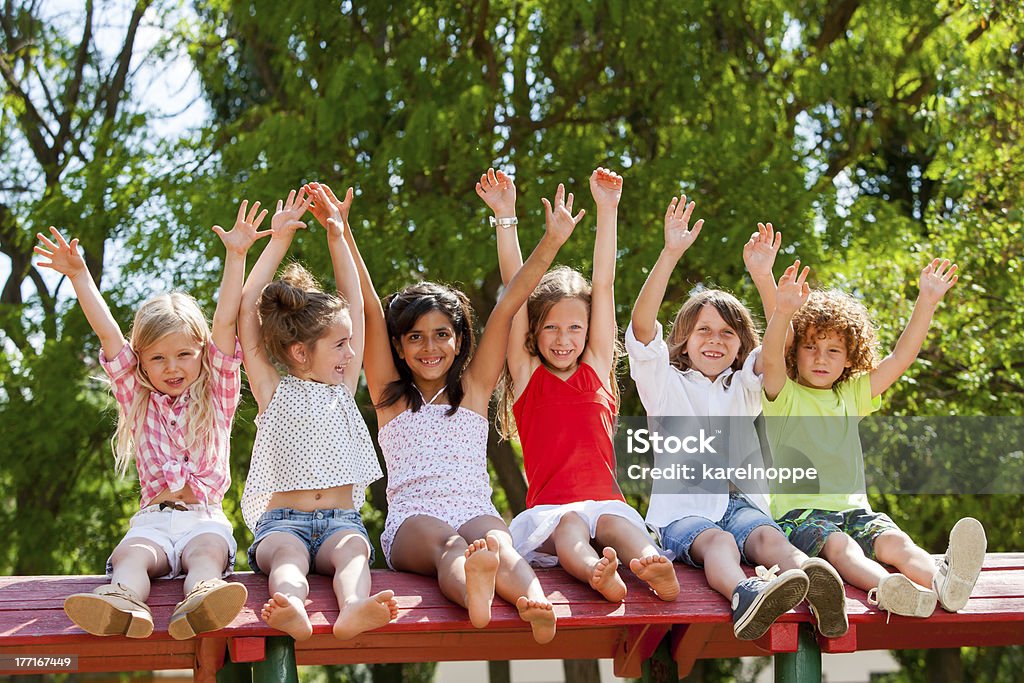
(565, 428)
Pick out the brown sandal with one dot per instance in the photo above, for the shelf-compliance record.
(110, 610)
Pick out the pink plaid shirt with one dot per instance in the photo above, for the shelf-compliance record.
(161, 455)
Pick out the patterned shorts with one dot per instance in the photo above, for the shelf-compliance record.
(809, 529)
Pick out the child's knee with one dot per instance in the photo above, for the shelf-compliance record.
(571, 523)
(767, 541)
(206, 546)
(839, 545)
(893, 546)
(714, 542)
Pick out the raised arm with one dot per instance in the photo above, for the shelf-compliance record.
(486, 366)
(346, 278)
(759, 257)
(65, 259)
(498, 191)
(678, 238)
(236, 242)
(606, 187)
(262, 374)
(937, 278)
(377, 360)
(792, 293)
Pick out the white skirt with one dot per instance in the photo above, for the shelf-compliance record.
(532, 527)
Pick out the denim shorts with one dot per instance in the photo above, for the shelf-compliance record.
(312, 528)
(809, 529)
(740, 519)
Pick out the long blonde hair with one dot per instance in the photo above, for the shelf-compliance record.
(557, 285)
(159, 316)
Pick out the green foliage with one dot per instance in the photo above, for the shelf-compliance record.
(875, 134)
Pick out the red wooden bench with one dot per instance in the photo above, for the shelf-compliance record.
(429, 628)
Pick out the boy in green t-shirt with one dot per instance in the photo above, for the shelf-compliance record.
(815, 393)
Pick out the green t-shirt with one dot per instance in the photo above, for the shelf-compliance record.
(818, 428)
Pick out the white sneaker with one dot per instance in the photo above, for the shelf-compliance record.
(959, 569)
(897, 594)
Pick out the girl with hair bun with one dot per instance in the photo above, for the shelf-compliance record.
(313, 458)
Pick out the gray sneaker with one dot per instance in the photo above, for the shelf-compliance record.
(959, 570)
(758, 601)
(827, 597)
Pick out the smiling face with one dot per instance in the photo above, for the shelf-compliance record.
(429, 348)
(820, 358)
(327, 359)
(713, 344)
(562, 335)
(172, 363)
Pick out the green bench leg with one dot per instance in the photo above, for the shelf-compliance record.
(234, 673)
(804, 665)
(279, 664)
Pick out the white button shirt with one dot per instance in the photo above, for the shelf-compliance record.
(667, 391)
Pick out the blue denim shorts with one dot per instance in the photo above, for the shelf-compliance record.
(809, 529)
(740, 519)
(312, 528)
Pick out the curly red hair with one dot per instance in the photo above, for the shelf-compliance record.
(835, 311)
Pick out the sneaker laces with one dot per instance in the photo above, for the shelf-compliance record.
(766, 575)
(873, 600)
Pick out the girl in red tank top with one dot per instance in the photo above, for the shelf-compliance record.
(562, 394)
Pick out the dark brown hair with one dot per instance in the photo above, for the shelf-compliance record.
(402, 310)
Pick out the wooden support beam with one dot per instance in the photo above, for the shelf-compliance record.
(688, 641)
(844, 643)
(638, 643)
(247, 649)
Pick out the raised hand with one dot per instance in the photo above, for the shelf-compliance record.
(558, 219)
(498, 192)
(761, 249)
(606, 187)
(63, 257)
(286, 220)
(245, 231)
(937, 278)
(793, 289)
(678, 235)
(320, 208)
(332, 218)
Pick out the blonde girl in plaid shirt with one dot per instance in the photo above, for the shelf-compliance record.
(177, 386)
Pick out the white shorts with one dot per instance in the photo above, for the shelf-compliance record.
(533, 526)
(172, 530)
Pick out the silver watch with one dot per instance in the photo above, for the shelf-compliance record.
(504, 222)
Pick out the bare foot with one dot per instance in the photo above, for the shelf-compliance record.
(481, 566)
(541, 616)
(287, 613)
(365, 615)
(658, 573)
(606, 579)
